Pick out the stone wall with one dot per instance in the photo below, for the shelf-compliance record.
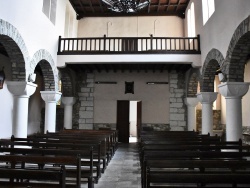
(112, 126)
(216, 120)
(155, 127)
(144, 126)
(177, 106)
(86, 99)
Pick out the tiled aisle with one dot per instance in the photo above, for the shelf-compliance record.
(124, 170)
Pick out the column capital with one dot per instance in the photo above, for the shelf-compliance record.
(19, 88)
(233, 89)
(68, 101)
(207, 97)
(191, 101)
(50, 96)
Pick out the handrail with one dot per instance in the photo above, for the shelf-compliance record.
(129, 45)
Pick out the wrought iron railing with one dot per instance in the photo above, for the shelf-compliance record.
(129, 45)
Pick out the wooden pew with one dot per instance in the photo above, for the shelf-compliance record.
(63, 144)
(113, 134)
(103, 138)
(41, 161)
(45, 175)
(174, 148)
(201, 179)
(157, 169)
(85, 173)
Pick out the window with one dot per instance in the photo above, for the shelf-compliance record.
(208, 9)
(49, 9)
(191, 21)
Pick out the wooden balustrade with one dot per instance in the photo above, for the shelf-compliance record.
(129, 45)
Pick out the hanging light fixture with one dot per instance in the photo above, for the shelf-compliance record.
(2, 78)
(126, 6)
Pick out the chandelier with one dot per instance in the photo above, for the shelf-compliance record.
(127, 6)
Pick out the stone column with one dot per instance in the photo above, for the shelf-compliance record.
(68, 103)
(191, 103)
(233, 93)
(21, 92)
(207, 99)
(50, 98)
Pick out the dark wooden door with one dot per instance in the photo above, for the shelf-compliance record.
(138, 123)
(123, 121)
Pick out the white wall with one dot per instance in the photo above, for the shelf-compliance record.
(38, 33)
(219, 29)
(160, 26)
(217, 33)
(35, 105)
(33, 25)
(6, 99)
(132, 118)
(246, 99)
(154, 109)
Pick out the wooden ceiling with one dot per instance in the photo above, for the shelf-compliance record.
(152, 67)
(97, 8)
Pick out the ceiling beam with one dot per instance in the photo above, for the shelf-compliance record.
(168, 5)
(82, 7)
(89, 68)
(106, 67)
(100, 3)
(91, 6)
(176, 8)
(159, 4)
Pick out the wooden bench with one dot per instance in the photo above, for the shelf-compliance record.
(157, 169)
(102, 138)
(58, 177)
(160, 153)
(63, 144)
(25, 161)
(85, 172)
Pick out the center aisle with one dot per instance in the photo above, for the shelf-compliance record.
(123, 170)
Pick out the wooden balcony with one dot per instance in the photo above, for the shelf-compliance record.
(129, 45)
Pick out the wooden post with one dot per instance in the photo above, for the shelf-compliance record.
(59, 44)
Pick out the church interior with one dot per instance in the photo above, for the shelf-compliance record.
(124, 93)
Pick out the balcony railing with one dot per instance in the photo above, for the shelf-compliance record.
(129, 45)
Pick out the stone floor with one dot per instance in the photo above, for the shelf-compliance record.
(123, 170)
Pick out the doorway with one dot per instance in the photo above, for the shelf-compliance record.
(128, 120)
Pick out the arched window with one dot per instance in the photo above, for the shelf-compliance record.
(191, 21)
(208, 9)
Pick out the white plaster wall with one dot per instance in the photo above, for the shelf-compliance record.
(160, 26)
(38, 32)
(219, 29)
(155, 98)
(217, 33)
(246, 99)
(35, 105)
(132, 117)
(6, 99)
(33, 25)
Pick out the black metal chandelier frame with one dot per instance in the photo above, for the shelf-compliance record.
(126, 6)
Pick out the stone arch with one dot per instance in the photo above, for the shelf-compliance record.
(193, 81)
(17, 51)
(67, 84)
(238, 52)
(48, 67)
(213, 62)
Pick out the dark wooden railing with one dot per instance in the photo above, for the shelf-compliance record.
(129, 45)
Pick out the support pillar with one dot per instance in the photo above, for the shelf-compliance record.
(207, 99)
(233, 93)
(191, 103)
(21, 92)
(50, 98)
(68, 103)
